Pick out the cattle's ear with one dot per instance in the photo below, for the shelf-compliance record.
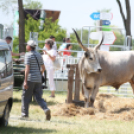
(86, 54)
(100, 41)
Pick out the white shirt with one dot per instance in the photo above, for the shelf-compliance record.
(54, 47)
(47, 61)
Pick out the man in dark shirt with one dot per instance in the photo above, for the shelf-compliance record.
(32, 82)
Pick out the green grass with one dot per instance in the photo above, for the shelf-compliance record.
(60, 124)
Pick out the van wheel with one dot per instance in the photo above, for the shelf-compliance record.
(4, 119)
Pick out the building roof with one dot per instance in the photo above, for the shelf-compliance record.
(35, 13)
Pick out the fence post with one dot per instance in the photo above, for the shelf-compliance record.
(77, 84)
(70, 83)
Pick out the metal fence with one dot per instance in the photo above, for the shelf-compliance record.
(61, 76)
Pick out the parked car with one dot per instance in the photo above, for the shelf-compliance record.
(6, 83)
(18, 76)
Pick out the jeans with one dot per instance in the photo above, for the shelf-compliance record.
(34, 89)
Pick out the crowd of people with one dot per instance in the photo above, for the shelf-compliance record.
(36, 68)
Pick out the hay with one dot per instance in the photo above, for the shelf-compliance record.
(106, 106)
(72, 110)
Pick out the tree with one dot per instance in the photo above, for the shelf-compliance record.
(32, 4)
(22, 47)
(8, 5)
(127, 19)
(50, 28)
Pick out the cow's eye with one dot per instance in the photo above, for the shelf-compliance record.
(91, 58)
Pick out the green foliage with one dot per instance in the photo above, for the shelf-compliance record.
(132, 44)
(16, 44)
(30, 4)
(50, 28)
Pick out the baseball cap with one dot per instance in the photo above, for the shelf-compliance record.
(32, 43)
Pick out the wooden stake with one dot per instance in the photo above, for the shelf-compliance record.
(77, 84)
(70, 84)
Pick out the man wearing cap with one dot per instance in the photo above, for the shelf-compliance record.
(32, 82)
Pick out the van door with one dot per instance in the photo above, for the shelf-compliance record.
(3, 81)
(9, 67)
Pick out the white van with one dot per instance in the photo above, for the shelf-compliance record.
(6, 83)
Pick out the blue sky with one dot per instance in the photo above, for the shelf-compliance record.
(75, 13)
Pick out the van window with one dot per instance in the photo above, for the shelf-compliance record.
(9, 63)
(2, 64)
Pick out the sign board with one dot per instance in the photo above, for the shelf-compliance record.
(106, 16)
(109, 37)
(106, 22)
(101, 16)
(106, 28)
(95, 16)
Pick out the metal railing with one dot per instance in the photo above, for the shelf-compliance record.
(61, 79)
(61, 76)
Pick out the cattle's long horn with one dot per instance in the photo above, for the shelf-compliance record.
(100, 41)
(79, 41)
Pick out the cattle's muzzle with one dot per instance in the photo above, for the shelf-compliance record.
(99, 70)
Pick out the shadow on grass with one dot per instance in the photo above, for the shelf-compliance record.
(50, 103)
(24, 130)
(16, 100)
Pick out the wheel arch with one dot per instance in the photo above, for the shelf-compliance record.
(10, 103)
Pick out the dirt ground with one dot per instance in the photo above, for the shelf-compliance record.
(106, 106)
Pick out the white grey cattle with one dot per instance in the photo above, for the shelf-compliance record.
(98, 68)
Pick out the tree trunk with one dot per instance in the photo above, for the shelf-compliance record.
(126, 20)
(22, 47)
